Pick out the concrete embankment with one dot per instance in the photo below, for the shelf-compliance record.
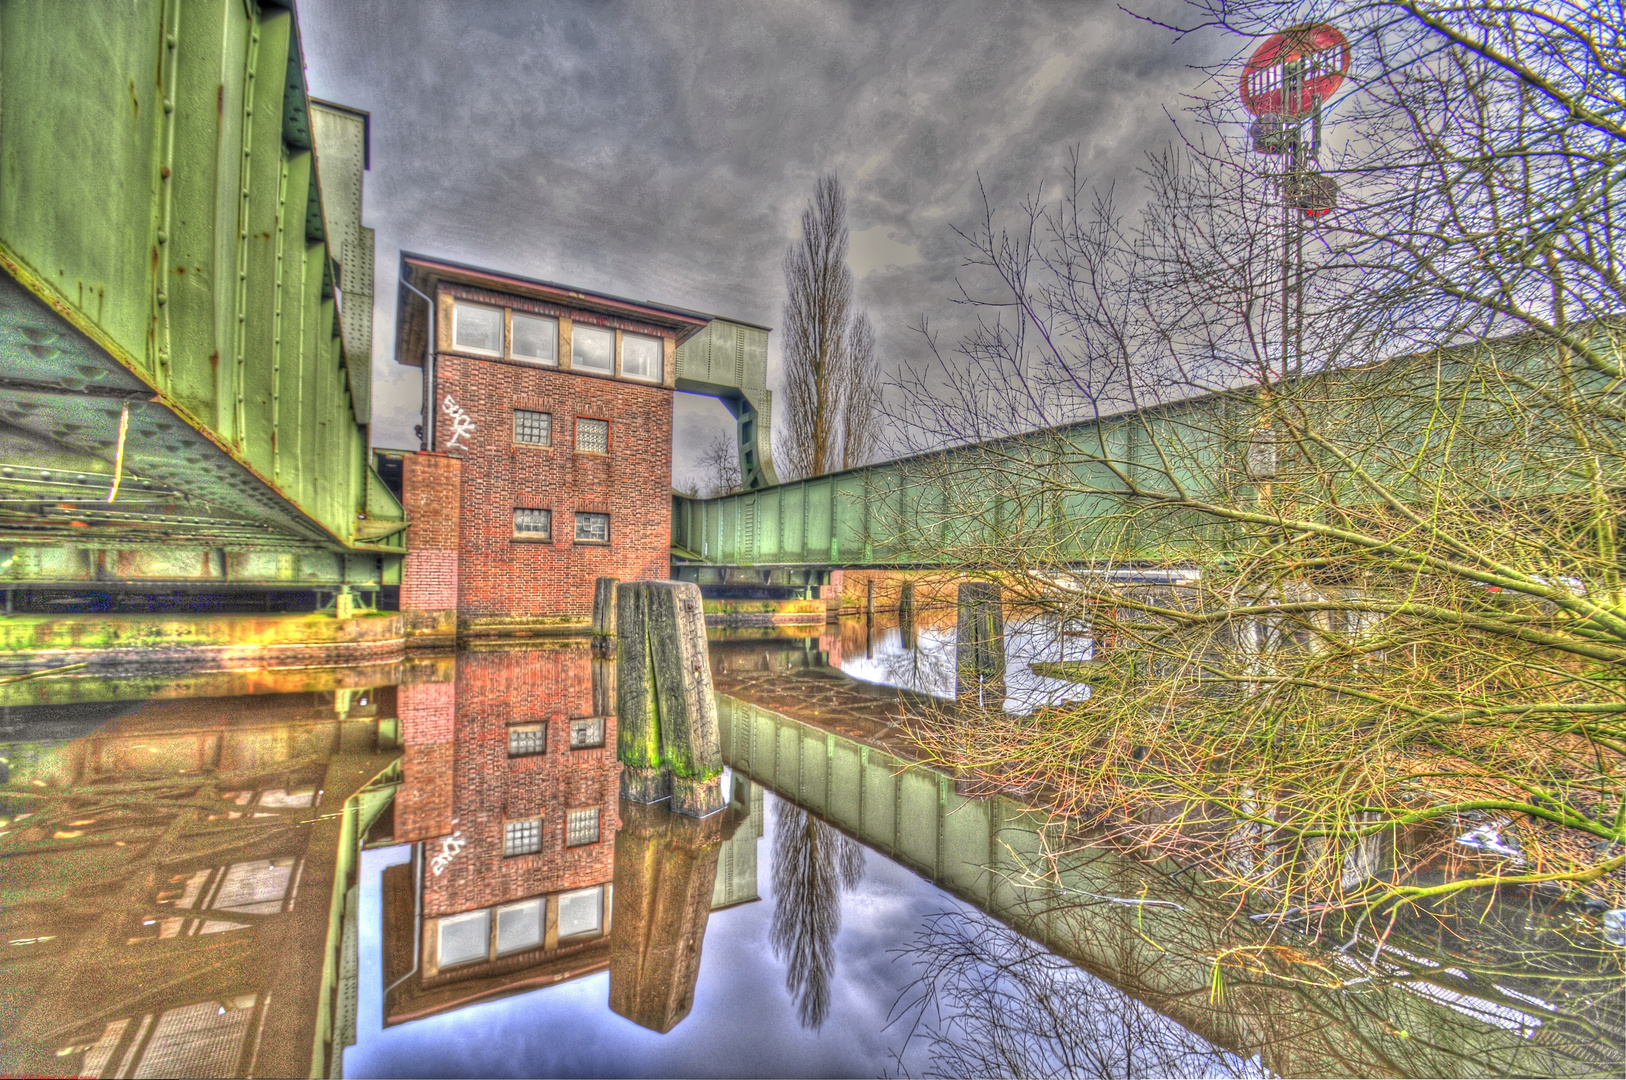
(765, 612)
(34, 642)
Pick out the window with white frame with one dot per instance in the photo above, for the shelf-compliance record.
(592, 436)
(581, 827)
(535, 339)
(586, 732)
(581, 912)
(476, 328)
(527, 740)
(641, 357)
(522, 837)
(592, 528)
(464, 937)
(533, 428)
(592, 348)
(520, 925)
(533, 524)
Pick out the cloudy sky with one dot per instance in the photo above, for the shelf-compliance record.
(665, 151)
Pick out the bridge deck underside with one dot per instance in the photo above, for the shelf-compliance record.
(183, 392)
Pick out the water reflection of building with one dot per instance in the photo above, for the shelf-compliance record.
(511, 790)
(511, 794)
(174, 877)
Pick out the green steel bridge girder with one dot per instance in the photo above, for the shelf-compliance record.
(728, 360)
(1062, 488)
(180, 229)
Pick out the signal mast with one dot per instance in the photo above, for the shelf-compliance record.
(1284, 86)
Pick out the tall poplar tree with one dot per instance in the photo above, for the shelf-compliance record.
(830, 394)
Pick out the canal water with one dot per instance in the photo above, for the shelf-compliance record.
(423, 868)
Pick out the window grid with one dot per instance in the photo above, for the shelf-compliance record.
(592, 436)
(592, 528)
(581, 827)
(535, 428)
(464, 938)
(520, 926)
(586, 732)
(533, 524)
(581, 912)
(526, 740)
(522, 837)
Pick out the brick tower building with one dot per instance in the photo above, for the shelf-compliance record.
(547, 442)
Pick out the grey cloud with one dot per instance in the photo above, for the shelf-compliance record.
(665, 150)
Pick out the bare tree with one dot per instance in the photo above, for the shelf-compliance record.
(812, 864)
(1366, 585)
(989, 1002)
(861, 414)
(720, 466)
(831, 396)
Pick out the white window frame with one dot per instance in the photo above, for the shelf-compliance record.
(588, 328)
(482, 916)
(541, 903)
(660, 357)
(457, 308)
(517, 315)
(595, 931)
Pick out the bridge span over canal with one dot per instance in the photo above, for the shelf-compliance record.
(1143, 486)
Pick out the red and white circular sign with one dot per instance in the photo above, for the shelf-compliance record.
(1325, 52)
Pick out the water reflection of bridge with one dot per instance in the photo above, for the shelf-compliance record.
(185, 890)
(175, 876)
(1129, 924)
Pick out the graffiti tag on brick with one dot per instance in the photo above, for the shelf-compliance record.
(449, 847)
(462, 423)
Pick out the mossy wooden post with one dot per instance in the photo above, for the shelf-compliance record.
(666, 724)
(604, 609)
(980, 642)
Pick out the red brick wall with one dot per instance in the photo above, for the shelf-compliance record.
(501, 576)
(423, 805)
(431, 490)
(488, 787)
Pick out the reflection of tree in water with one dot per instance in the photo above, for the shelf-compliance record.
(812, 863)
(989, 1002)
(928, 668)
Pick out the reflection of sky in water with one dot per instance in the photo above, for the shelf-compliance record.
(926, 669)
(929, 668)
(744, 1022)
